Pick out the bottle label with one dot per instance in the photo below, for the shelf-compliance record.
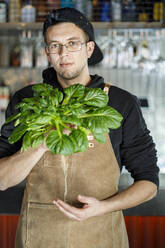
(28, 14)
(116, 11)
(105, 12)
(158, 11)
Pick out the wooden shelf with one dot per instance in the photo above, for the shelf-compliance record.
(98, 25)
(128, 25)
(20, 26)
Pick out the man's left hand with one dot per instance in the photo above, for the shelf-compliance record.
(92, 207)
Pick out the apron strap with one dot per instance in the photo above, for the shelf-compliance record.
(106, 88)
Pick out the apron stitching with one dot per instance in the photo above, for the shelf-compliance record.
(112, 231)
(68, 235)
(71, 165)
(27, 210)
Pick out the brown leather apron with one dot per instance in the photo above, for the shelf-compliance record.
(92, 173)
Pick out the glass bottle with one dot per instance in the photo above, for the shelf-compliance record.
(41, 10)
(52, 4)
(3, 11)
(28, 12)
(96, 10)
(41, 60)
(14, 10)
(143, 11)
(67, 3)
(158, 11)
(116, 10)
(128, 11)
(105, 11)
(80, 5)
(15, 53)
(26, 58)
(89, 9)
(4, 51)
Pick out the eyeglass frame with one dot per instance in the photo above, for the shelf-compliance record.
(61, 45)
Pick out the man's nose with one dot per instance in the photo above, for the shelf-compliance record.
(63, 49)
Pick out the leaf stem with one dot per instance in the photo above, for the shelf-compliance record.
(67, 127)
(66, 100)
(89, 115)
(58, 129)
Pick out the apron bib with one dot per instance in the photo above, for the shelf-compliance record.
(92, 173)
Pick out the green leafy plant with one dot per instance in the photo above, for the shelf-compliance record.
(49, 112)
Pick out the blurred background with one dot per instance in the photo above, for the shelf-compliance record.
(131, 34)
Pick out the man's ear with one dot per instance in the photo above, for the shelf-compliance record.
(46, 51)
(90, 48)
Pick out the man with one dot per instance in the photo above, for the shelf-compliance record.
(73, 201)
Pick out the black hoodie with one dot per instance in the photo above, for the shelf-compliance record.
(132, 143)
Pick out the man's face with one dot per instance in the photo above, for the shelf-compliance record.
(68, 65)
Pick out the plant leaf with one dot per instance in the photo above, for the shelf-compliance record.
(26, 141)
(79, 140)
(106, 117)
(56, 97)
(52, 139)
(12, 117)
(58, 145)
(95, 97)
(37, 140)
(76, 90)
(43, 119)
(17, 133)
(38, 88)
(71, 119)
(100, 137)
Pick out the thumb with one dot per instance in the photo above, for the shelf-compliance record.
(86, 199)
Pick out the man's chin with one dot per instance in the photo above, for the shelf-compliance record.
(68, 76)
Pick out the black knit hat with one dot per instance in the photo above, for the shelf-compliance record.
(74, 16)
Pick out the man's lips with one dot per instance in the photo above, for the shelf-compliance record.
(66, 64)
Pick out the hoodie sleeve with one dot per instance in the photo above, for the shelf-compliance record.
(132, 142)
(7, 149)
(138, 152)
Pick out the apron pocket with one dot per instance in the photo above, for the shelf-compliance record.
(46, 226)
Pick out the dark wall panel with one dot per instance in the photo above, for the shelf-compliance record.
(143, 232)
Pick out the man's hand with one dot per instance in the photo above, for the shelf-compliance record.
(134, 195)
(92, 207)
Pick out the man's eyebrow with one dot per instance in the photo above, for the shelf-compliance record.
(71, 38)
(74, 38)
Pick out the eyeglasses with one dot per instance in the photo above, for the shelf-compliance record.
(71, 46)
